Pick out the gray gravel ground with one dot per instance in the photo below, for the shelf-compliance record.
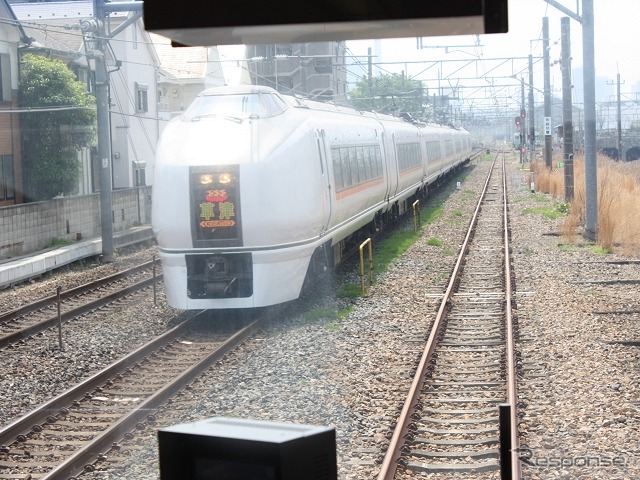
(579, 387)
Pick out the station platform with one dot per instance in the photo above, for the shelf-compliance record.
(20, 269)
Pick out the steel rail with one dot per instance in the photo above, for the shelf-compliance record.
(390, 462)
(43, 302)
(78, 461)
(512, 394)
(31, 330)
(39, 415)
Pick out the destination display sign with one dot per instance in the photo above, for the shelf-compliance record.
(215, 207)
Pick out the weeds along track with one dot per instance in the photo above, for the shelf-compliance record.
(30, 319)
(450, 421)
(72, 431)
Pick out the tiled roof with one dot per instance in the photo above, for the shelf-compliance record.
(180, 62)
(54, 36)
(8, 17)
(50, 23)
(56, 10)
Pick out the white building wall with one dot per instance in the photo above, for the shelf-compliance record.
(9, 46)
(134, 132)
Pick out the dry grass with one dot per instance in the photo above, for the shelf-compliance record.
(618, 201)
(549, 181)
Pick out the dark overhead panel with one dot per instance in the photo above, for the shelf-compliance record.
(193, 22)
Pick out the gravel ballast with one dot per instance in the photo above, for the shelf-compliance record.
(579, 388)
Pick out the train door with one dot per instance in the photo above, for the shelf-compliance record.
(392, 162)
(325, 160)
(388, 147)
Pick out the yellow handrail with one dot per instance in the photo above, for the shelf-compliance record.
(362, 245)
(416, 216)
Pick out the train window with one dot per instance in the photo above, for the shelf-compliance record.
(378, 159)
(368, 162)
(353, 165)
(409, 156)
(435, 152)
(401, 157)
(282, 105)
(271, 105)
(362, 169)
(337, 169)
(448, 147)
(240, 106)
(373, 165)
(346, 171)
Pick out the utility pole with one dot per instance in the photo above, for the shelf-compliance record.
(548, 151)
(369, 70)
(589, 72)
(532, 126)
(619, 142)
(618, 118)
(101, 39)
(590, 160)
(523, 139)
(567, 109)
(104, 133)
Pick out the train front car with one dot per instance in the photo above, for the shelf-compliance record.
(237, 204)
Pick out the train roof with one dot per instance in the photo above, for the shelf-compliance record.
(304, 103)
(238, 89)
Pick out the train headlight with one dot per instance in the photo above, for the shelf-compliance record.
(225, 178)
(206, 179)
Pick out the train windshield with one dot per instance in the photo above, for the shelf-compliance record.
(235, 107)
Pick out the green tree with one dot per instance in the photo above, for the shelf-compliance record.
(62, 122)
(392, 94)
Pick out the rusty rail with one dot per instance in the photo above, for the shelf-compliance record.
(390, 462)
(512, 395)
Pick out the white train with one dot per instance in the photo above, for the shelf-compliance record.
(254, 190)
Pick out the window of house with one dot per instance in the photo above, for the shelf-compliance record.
(142, 104)
(7, 187)
(5, 77)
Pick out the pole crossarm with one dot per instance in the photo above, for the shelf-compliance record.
(565, 10)
(129, 21)
(122, 7)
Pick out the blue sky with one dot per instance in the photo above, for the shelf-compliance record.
(617, 41)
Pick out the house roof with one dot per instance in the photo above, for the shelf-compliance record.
(57, 10)
(51, 24)
(6, 12)
(180, 62)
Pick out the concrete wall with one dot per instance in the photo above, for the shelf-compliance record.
(30, 227)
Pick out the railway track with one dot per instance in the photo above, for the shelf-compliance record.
(72, 431)
(30, 319)
(450, 422)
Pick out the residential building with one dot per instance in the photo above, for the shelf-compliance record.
(314, 70)
(12, 37)
(60, 30)
(183, 73)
